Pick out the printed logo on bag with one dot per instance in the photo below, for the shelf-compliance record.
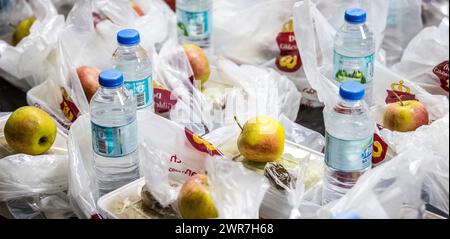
(200, 144)
(380, 149)
(402, 90)
(289, 59)
(441, 71)
(163, 100)
(68, 107)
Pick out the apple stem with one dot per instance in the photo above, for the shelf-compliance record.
(237, 121)
(399, 98)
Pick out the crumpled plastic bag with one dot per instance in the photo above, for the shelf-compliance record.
(425, 60)
(22, 65)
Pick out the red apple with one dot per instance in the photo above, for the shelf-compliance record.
(405, 116)
(89, 80)
(198, 61)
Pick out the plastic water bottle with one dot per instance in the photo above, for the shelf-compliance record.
(194, 20)
(133, 61)
(349, 141)
(114, 133)
(354, 48)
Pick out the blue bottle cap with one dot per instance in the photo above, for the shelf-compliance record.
(111, 78)
(351, 90)
(355, 15)
(128, 37)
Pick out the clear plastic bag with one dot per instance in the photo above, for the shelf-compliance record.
(22, 64)
(425, 60)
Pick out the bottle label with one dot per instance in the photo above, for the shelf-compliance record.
(114, 141)
(141, 91)
(196, 25)
(348, 155)
(359, 69)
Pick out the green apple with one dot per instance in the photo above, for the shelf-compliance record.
(23, 30)
(30, 130)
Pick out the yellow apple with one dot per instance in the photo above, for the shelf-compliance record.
(261, 140)
(30, 130)
(194, 200)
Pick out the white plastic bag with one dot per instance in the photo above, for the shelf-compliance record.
(425, 60)
(22, 64)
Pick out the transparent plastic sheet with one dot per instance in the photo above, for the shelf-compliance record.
(33, 185)
(22, 65)
(425, 60)
(232, 90)
(403, 23)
